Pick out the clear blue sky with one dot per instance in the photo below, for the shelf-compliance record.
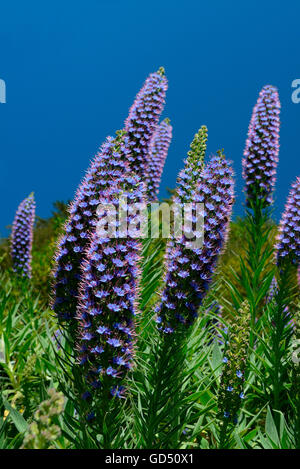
(72, 69)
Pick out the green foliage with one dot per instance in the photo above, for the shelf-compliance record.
(231, 391)
(43, 430)
(173, 395)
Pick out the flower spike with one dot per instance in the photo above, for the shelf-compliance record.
(288, 241)
(108, 172)
(190, 270)
(262, 148)
(22, 235)
(142, 121)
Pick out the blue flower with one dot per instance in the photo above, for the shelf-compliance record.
(111, 371)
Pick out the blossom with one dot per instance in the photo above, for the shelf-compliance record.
(158, 151)
(215, 188)
(262, 148)
(22, 235)
(193, 166)
(288, 240)
(108, 353)
(105, 180)
(142, 122)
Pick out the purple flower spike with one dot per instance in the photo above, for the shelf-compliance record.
(22, 235)
(190, 270)
(107, 175)
(157, 156)
(142, 121)
(106, 350)
(288, 241)
(262, 148)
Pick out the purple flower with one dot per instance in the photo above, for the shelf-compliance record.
(22, 235)
(104, 180)
(112, 332)
(216, 178)
(288, 240)
(117, 391)
(142, 122)
(158, 151)
(262, 148)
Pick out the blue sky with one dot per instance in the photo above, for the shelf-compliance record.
(72, 69)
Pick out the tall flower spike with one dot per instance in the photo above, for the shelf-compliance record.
(107, 307)
(109, 170)
(288, 241)
(262, 148)
(157, 156)
(22, 235)
(232, 381)
(190, 270)
(194, 164)
(143, 119)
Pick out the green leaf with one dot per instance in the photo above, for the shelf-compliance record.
(16, 417)
(271, 430)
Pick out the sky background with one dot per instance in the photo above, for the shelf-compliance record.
(72, 69)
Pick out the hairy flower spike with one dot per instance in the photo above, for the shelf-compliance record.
(262, 148)
(232, 380)
(22, 235)
(108, 173)
(157, 156)
(142, 121)
(190, 270)
(194, 164)
(288, 241)
(107, 307)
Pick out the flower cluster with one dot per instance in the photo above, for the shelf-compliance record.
(288, 243)
(108, 174)
(157, 156)
(193, 165)
(107, 304)
(107, 170)
(190, 270)
(262, 147)
(21, 238)
(235, 360)
(43, 431)
(142, 121)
